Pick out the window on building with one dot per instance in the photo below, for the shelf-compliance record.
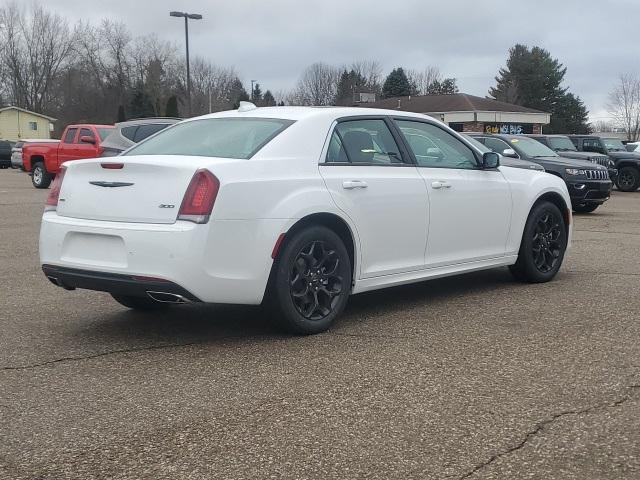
(458, 127)
(33, 126)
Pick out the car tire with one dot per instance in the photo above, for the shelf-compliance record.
(628, 179)
(543, 245)
(40, 177)
(311, 281)
(587, 208)
(139, 303)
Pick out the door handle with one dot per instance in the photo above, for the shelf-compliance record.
(440, 184)
(351, 184)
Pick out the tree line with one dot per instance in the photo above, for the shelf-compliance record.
(103, 73)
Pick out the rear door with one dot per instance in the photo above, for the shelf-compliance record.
(470, 208)
(372, 180)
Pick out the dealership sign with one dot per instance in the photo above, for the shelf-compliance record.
(508, 128)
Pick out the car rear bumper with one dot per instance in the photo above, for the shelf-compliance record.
(219, 262)
(136, 286)
(583, 192)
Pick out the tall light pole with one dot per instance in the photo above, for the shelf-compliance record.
(187, 16)
(252, 82)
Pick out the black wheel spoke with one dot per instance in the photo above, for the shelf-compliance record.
(315, 282)
(546, 242)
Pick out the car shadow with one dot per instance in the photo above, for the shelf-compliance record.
(214, 323)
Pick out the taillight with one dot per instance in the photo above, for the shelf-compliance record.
(201, 194)
(52, 200)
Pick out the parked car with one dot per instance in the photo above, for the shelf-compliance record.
(588, 183)
(43, 160)
(506, 161)
(16, 151)
(563, 146)
(298, 207)
(5, 153)
(627, 163)
(127, 134)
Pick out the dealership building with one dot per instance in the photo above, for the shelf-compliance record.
(467, 113)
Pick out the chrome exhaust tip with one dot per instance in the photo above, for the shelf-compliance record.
(166, 297)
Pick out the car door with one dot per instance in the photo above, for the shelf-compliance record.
(373, 181)
(66, 149)
(85, 149)
(469, 208)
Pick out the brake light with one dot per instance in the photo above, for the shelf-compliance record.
(52, 200)
(199, 198)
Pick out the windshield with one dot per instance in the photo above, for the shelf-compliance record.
(561, 144)
(104, 133)
(530, 147)
(213, 137)
(613, 144)
(480, 146)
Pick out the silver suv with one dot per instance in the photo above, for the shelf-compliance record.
(127, 134)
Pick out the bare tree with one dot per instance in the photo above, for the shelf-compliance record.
(371, 71)
(316, 86)
(624, 105)
(34, 47)
(423, 80)
(212, 87)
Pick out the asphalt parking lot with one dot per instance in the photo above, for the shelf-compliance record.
(470, 377)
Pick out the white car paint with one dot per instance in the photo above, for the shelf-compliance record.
(405, 227)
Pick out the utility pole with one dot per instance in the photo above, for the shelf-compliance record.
(187, 16)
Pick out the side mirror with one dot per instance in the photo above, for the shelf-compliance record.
(509, 152)
(87, 139)
(490, 160)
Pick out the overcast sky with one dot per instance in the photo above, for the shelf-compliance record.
(273, 40)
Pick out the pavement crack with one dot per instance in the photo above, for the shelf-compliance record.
(540, 426)
(97, 355)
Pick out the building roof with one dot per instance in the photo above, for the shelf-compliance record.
(457, 102)
(11, 107)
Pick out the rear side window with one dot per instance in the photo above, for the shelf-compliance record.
(367, 142)
(496, 144)
(70, 135)
(129, 132)
(214, 137)
(145, 131)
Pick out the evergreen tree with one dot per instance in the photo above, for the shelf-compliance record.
(121, 115)
(350, 82)
(141, 105)
(281, 104)
(447, 86)
(532, 78)
(171, 109)
(268, 100)
(238, 93)
(397, 84)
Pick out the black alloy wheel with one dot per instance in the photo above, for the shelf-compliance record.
(628, 179)
(543, 245)
(546, 244)
(315, 280)
(311, 280)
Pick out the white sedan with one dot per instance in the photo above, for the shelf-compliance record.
(297, 207)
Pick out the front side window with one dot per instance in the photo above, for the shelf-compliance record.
(85, 132)
(367, 142)
(214, 137)
(435, 147)
(70, 135)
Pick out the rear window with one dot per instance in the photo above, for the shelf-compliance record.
(104, 133)
(214, 137)
(145, 131)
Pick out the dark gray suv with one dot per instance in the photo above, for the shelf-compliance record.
(588, 183)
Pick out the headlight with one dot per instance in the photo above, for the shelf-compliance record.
(575, 171)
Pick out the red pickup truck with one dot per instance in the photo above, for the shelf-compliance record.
(43, 160)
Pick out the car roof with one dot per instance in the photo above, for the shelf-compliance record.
(301, 113)
(147, 121)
